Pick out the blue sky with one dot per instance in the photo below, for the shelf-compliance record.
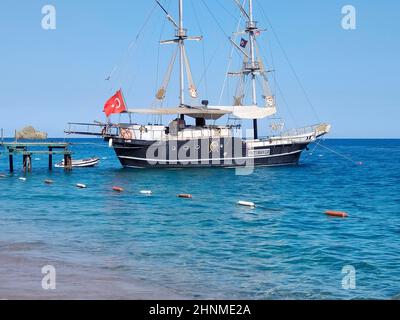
(49, 78)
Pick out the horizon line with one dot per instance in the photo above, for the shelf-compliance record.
(327, 138)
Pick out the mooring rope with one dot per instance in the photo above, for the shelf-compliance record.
(358, 163)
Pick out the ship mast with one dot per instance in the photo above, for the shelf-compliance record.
(252, 65)
(251, 27)
(180, 38)
(181, 35)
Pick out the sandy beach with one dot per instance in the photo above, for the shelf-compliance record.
(21, 279)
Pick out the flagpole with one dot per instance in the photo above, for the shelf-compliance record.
(123, 96)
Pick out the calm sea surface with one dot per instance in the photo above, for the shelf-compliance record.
(208, 247)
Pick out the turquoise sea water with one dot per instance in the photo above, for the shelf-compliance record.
(208, 247)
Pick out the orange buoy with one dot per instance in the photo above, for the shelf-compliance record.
(185, 196)
(48, 181)
(118, 189)
(336, 214)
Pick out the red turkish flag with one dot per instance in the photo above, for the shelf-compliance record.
(115, 104)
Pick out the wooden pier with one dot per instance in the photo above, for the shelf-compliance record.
(27, 149)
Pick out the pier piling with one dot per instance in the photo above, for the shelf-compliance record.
(50, 158)
(24, 162)
(27, 149)
(11, 160)
(27, 162)
(67, 162)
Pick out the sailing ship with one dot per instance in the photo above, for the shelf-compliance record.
(180, 144)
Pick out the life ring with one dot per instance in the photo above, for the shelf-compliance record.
(126, 134)
(214, 146)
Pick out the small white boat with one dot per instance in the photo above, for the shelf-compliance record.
(85, 163)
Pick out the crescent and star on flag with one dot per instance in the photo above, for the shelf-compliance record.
(115, 104)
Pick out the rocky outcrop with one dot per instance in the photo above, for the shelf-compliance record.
(29, 133)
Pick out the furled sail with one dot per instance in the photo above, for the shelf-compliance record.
(192, 87)
(212, 113)
(250, 112)
(239, 94)
(163, 90)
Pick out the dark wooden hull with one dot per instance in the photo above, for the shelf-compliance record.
(204, 153)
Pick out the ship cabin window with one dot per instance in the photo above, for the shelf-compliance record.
(200, 122)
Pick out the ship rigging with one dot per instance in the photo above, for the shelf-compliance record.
(180, 145)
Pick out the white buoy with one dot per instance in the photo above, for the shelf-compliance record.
(146, 192)
(81, 186)
(246, 204)
(22, 179)
(110, 143)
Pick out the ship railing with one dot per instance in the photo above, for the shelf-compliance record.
(211, 132)
(113, 130)
(314, 131)
(96, 129)
(199, 133)
(299, 134)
